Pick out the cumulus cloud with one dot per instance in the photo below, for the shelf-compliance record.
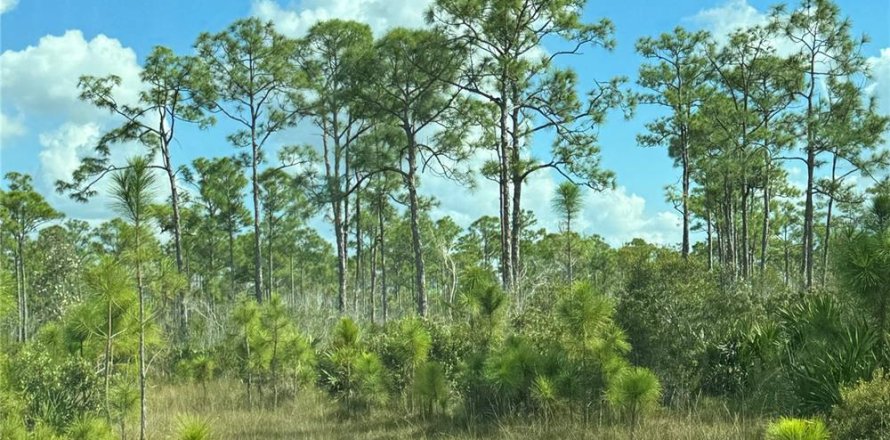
(880, 82)
(616, 215)
(295, 18)
(40, 83)
(620, 216)
(42, 80)
(731, 16)
(7, 5)
(10, 127)
(63, 149)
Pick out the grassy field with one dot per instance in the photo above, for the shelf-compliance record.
(312, 415)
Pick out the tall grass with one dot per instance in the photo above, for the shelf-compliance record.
(313, 415)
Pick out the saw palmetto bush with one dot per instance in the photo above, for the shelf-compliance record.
(825, 349)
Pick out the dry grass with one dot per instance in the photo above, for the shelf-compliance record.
(312, 415)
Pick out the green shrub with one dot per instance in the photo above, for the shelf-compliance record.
(353, 375)
(193, 428)
(864, 411)
(430, 387)
(56, 392)
(788, 428)
(89, 428)
(632, 392)
(403, 346)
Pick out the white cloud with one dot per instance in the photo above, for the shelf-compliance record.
(62, 151)
(40, 83)
(42, 80)
(620, 216)
(7, 5)
(296, 18)
(616, 215)
(723, 20)
(880, 82)
(10, 127)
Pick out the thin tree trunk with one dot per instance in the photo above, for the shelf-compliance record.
(685, 163)
(809, 209)
(384, 300)
(108, 363)
(745, 242)
(504, 196)
(419, 269)
(373, 288)
(143, 403)
(517, 179)
(826, 241)
(359, 274)
(764, 233)
(710, 239)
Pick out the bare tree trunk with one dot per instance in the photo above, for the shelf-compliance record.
(373, 287)
(809, 209)
(257, 249)
(383, 287)
(419, 269)
(710, 239)
(517, 178)
(504, 196)
(359, 274)
(107, 362)
(269, 246)
(684, 248)
(143, 403)
(826, 241)
(745, 250)
(764, 233)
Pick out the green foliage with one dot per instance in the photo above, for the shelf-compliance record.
(403, 346)
(797, 429)
(351, 373)
(864, 410)
(825, 350)
(633, 392)
(430, 388)
(123, 403)
(89, 428)
(194, 428)
(55, 391)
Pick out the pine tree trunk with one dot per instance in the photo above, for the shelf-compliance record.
(143, 403)
(685, 163)
(504, 195)
(764, 232)
(419, 269)
(384, 300)
(827, 240)
(257, 251)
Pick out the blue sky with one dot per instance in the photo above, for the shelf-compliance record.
(47, 44)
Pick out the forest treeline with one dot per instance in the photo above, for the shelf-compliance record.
(775, 301)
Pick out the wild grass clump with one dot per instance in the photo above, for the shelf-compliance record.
(797, 429)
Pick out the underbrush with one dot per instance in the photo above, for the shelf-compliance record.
(313, 414)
